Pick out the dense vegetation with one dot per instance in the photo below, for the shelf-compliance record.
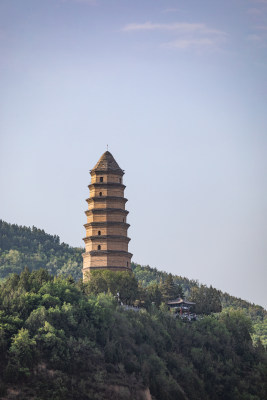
(22, 247)
(196, 292)
(61, 340)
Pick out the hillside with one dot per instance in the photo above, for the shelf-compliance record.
(258, 315)
(59, 340)
(22, 247)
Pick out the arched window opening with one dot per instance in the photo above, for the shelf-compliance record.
(100, 194)
(101, 178)
(127, 264)
(99, 247)
(122, 219)
(120, 180)
(99, 233)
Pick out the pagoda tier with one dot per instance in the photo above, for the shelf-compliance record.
(106, 241)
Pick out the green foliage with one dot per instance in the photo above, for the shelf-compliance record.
(260, 331)
(21, 355)
(170, 290)
(112, 282)
(257, 315)
(147, 276)
(63, 340)
(22, 247)
(153, 295)
(207, 299)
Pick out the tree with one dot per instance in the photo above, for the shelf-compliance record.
(170, 290)
(114, 282)
(22, 354)
(154, 294)
(207, 299)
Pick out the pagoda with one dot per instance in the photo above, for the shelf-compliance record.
(106, 241)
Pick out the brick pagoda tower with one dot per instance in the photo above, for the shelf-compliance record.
(106, 241)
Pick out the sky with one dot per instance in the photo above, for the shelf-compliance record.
(178, 91)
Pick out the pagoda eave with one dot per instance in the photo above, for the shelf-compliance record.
(119, 172)
(106, 223)
(106, 210)
(110, 238)
(106, 185)
(104, 198)
(119, 253)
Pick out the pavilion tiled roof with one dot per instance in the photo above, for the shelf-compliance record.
(107, 163)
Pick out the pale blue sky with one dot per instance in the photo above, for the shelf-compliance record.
(178, 89)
